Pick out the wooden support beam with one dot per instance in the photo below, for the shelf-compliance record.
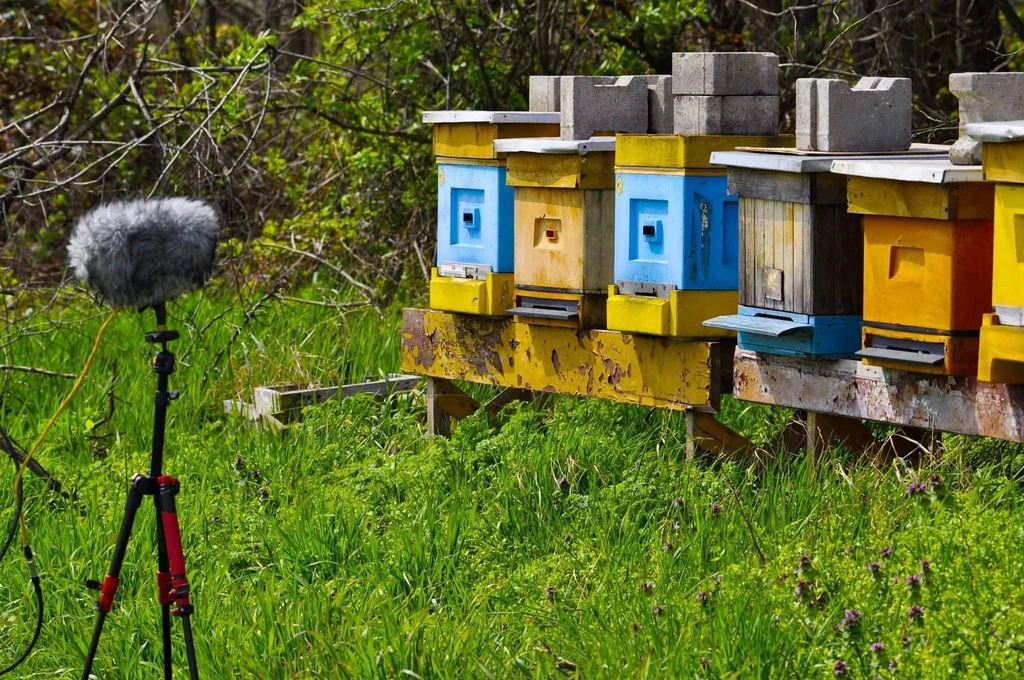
(705, 432)
(936, 403)
(446, 401)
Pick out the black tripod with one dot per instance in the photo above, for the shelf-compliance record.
(172, 584)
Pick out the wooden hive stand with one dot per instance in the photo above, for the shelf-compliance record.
(530, 360)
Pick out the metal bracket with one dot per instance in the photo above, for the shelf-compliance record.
(904, 351)
(659, 290)
(1010, 316)
(456, 270)
(547, 308)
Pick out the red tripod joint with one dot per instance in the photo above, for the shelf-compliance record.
(107, 591)
(164, 587)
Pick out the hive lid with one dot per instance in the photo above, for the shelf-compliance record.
(554, 145)
(927, 170)
(785, 162)
(1005, 131)
(493, 117)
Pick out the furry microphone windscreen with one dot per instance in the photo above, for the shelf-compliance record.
(141, 253)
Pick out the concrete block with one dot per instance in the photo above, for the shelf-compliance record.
(736, 115)
(725, 73)
(545, 93)
(984, 98)
(874, 115)
(590, 105)
(660, 110)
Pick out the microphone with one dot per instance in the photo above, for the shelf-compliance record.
(143, 253)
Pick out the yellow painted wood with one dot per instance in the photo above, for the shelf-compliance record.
(490, 297)
(961, 352)
(963, 201)
(681, 315)
(476, 140)
(666, 373)
(1008, 247)
(579, 257)
(678, 151)
(1001, 352)
(596, 170)
(675, 172)
(927, 273)
(1003, 162)
(485, 162)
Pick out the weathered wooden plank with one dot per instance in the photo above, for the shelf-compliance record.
(848, 388)
(651, 371)
(820, 187)
(286, 397)
(706, 433)
(446, 401)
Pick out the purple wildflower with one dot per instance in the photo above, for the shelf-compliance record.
(658, 609)
(874, 567)
(803, 589)
(667, 546)
(549, 592)
(936, 482)
(886, 552)
(715, 509)
(839, 669)
(906, 640)
(916, 612)
(926, 566)
(877, 647)
(718, 579)
(913, 581)
(635, 626)
(850, 619)
(702, 598)
(647, 587)
(892, 665)
(805, 562)
(916, 488)
(705, 662)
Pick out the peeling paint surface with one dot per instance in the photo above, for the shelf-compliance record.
(848, 388)
(650, 371)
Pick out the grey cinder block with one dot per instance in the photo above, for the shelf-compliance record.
(874, 115)
(590, 105)
(725, 73)
(545, 93)
(984, 98)
(735, 115)
(660, 110)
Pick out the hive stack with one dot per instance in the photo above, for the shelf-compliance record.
(927, 261)
(676, 227)
(1001, 352)
(801, 254)
(475, 207)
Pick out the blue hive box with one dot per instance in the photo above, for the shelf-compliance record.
(474, 216)
(797, 335)
(679, 230)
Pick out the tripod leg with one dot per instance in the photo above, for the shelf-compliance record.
(164, 588)
(180, 590)
(109, 586)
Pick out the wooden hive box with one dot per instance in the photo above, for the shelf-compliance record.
(475, 228)
(1001, 341)
(564, 228)
(927, 261)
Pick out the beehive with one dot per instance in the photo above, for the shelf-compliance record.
(676, 234)
(927, 261)
(800, 256)
(1001, 344)
(475, 251)
(564, 228)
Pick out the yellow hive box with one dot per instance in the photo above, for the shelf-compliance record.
(897, 198)
(959, 353)
(689, 152)
(933, 274)
(1008, 242)
(1001, 352)
(484, 297)
(1003, 162)
(681, 315)
(471, 134)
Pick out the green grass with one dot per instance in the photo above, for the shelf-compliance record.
(355, 546)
